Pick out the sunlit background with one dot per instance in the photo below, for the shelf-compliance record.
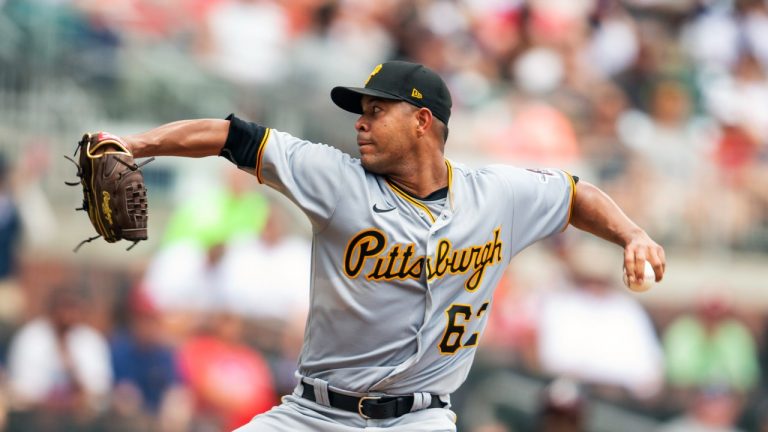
(662, 103)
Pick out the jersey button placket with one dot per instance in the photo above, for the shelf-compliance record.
(441, 222)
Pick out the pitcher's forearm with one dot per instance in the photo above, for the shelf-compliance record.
(189, 138)
(596, 213)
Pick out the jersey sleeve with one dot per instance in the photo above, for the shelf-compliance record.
(541, 203)
(309, 174)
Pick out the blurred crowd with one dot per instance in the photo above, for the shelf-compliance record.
(201, 337)
(663, 104)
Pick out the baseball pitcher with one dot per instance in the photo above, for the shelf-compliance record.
(407, 247)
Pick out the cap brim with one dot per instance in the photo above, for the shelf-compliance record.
(350, 98)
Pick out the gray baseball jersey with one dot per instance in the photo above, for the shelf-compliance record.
(400, 292)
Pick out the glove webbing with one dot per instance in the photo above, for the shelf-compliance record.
(85, 207)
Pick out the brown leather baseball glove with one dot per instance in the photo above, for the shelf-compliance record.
(114, 194)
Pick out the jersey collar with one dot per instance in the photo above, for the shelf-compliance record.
(416, 202)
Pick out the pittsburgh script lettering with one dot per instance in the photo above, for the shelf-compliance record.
(399, 261)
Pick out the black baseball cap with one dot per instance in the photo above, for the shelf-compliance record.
(399, 80)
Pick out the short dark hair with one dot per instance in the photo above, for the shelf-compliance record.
(443, 128)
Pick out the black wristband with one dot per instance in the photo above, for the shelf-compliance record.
(243, 142)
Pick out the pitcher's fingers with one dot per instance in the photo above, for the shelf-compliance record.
(663, 257)
(629, 264)
(657, 262)
(640, 257)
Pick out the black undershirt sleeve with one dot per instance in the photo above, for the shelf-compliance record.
(243, 141)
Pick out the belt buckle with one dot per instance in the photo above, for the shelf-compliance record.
(360, 405)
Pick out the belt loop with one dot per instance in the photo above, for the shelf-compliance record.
(421, 401)
(321, 392)
(446, 399)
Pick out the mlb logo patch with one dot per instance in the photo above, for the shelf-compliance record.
(544, 174)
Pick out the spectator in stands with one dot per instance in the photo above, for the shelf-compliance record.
(125, 413)
(229, 380)
(591, 331)
(711, 409)
(737, 100)
(141, 358)
(265, 281)
(59, 366)
(711, 347)
(11, 300)
(673, 144)
(267, 277)
(562, 408)
(10, 225)
(183, 279)
(535, 132)
(600, 141)
(234, 28)
(148, 394)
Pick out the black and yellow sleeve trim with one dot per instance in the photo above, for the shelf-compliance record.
(411, 200)
(245, 144)
(450, 182)
(572, 198)
(260, 154)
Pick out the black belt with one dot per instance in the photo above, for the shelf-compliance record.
(370, 407)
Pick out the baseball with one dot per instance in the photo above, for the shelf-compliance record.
(649, 278)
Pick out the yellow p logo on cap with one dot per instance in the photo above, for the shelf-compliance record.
(375, 71)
